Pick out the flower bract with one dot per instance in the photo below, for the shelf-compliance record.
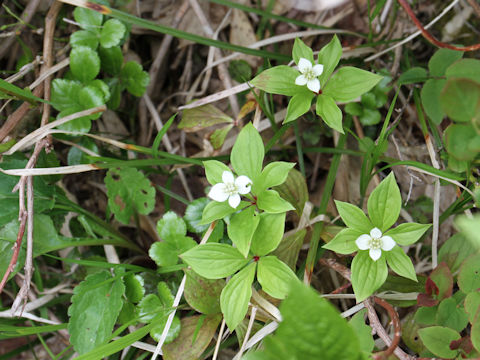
(375, 242)
(230, 189)
(309, 74)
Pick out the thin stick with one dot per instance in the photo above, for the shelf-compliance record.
(429, 36)
(249, 330)
(178, 296)
(415, 34)
(219, 340)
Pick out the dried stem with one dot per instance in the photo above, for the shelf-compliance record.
(426, 34)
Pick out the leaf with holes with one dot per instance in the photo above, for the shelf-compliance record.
(129, 192)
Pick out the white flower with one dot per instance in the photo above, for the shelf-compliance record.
(309, 74)
(230, 189)
(375, 242)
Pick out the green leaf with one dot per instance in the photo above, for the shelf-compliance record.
(469, 278)
(430, 96)
(466, 69)
(354, 108)
(367, 275)
(214, 170)
(166, 253)
(88, 19)
(294, 190)
(134, 289)
(240, 70)
(350, 83)
(455, 250)
(64, 93)
(273, 174)
(451, 315)
(84, 38)
(99, 296)
(134, 78)
(268, 234)
(470, 226)
(103, 87)
(278, 80)
(437, 339)
(300, 50)
(475, 335)
(472, 305)
(370, 117)
(329, 56)
(217, 138)
(248, 153)
(354, 217)
(150, 308)
(344, 241)
(242, 227)
(214, 261)
(271, 202)
(111, 59)
(408, 233)
(443, 279)
(441, 60)
(236, 295)
(385, 203)
(329, 112)
(112, 32)
(460, 99)
(458, 138)
(195, 335)
(203, 294)
(412, 76)
(173, 332)
(203, 116)
(216, 210)
(298, 105)
(170, 226)
(311, 329)
(129, 191)
(193, 215)
(10, 89)
(275, 276)
(84, 63)
(363, 331)
(401, 263)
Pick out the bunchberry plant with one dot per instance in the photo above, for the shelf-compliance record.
(373, 240)
(316, 79)
(255, 225)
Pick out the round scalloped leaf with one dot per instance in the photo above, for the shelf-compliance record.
(112, 32)
(134, 78)
(84, 63)
(134, 290)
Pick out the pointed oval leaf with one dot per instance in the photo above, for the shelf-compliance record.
(401, 263)
(354, 217)
(350, 83)
(437, 339)
(469, 278)
(268, 234)
(385, 203)
(201, 117)
(248, 153)
(273, 174)
(242, 227)
(367, 275)
(298, 105)
(271, 202)
(408, 233)
(344, 241)
(329, 56)
(300, 50)
(214, 261)
(329, 112)
(214, 170)
(275, 276)
(236, 295)
(278, 80)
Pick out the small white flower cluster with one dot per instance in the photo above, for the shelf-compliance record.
(230, 189)
(309, 75)
(375, 242)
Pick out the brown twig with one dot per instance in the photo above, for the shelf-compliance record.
(341, 269)
(426, 34)
(396, 326)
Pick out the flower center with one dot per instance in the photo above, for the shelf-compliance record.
(231, 189)
(375, 243)
(309, 74)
